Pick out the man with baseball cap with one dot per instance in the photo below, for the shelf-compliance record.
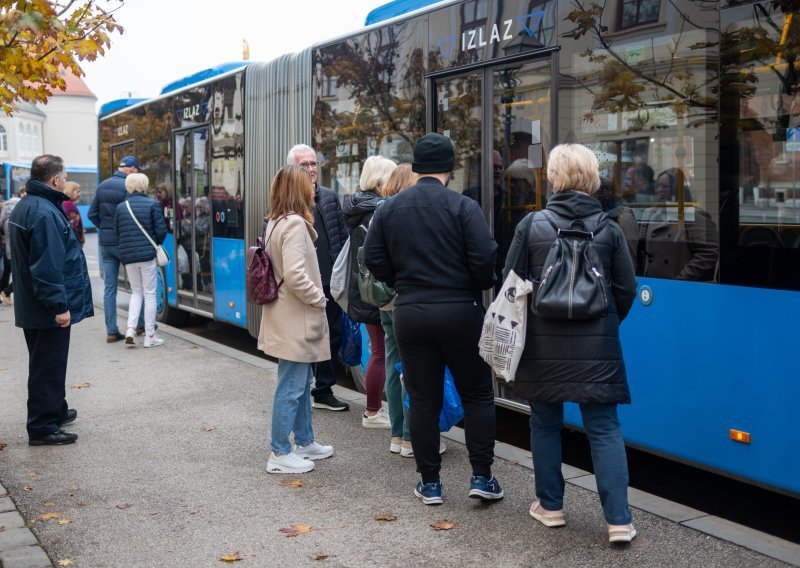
(110, 193)
(434, 247)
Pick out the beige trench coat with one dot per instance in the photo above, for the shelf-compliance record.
(294, 326)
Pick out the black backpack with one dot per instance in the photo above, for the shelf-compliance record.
(572, 285)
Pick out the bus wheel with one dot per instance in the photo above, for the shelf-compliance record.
(164, 312)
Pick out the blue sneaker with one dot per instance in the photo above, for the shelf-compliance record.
(430, 493)
(487, 488)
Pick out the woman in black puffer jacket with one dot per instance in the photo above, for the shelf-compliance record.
(358, 212)
(577, 360)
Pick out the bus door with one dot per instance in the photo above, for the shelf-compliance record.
(502, 120)
(192, 222)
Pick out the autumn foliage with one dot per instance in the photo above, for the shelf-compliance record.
(40, 38)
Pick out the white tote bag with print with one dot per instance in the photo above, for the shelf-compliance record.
(504, 326)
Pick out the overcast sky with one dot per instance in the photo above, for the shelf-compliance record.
(165, 40)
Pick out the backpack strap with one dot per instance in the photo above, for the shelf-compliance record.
(583, 233)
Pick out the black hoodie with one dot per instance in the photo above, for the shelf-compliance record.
(358, 211)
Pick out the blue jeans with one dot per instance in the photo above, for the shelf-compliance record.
(291, 407)
(109, 257)
(608, 457)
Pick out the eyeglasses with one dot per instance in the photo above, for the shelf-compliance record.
(307, 165)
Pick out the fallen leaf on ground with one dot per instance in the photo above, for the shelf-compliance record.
(151, 514)
(320, 556)
(48, 516)
(235, 557)
(2, 529)
(294, 530)
(65, 562)
(385, 517)
(27, 488)
(48, 504)
(80, 386)
(193, 512)
(249, 553)
(3, 446)
(443, 525)
(209, 428)
(64, 521)
(34, 474)
(292, 482)
(123, 506)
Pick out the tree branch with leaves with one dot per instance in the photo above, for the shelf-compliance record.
(40, 39)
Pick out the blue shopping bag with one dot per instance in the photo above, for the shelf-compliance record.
(350, 346)
(452, 409)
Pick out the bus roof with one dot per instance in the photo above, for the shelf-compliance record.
(203, 75)
(396, 8)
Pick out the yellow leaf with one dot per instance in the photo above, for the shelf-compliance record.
(235, 557)
(65, 562)
(294, 530)
(80, 386)
(385, 517)
(292, 482)
(443, 525)
(64, 521)
(48, 516)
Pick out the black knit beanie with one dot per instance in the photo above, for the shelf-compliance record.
(433, 154)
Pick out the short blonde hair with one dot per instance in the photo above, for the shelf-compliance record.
(136, 182)
(69, 189)
(573, 166)
(375, 172)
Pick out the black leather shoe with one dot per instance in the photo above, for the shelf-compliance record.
(72, 414)
(57, 438)
(114, 337)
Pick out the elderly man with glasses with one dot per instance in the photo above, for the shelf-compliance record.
(332, 234)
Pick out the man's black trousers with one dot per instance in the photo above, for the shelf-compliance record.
(430, 336)
(48, 351)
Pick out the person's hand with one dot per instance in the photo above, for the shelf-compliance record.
(63, 319)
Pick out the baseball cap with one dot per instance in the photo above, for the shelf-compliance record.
(129, 162)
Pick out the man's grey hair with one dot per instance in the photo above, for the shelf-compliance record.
(298, 148)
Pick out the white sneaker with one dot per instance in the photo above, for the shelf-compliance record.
(407, 451)
(314, 451)
(151, 340)
(130, 337)
(379, 420)
(288, 463)
(396, 445)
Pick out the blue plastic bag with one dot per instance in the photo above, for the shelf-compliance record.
(452, 409)
(350, 346)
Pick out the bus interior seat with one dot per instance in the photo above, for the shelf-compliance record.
(760, 237)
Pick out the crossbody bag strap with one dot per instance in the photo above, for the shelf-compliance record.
(152, 242)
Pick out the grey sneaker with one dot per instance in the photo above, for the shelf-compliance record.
(379, 420)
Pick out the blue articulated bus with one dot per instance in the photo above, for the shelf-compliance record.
(14, 174)
(691, 106)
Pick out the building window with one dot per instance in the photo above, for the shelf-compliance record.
(3, 140)
(473, 13)
(328, 86)
(637, 12)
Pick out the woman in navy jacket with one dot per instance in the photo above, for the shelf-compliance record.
(138, 254)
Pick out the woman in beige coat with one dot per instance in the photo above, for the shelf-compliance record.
(293, 327)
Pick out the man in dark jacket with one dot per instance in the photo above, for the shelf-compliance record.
(52, 293)
(434, 247)
(102, 211)
(332, 234)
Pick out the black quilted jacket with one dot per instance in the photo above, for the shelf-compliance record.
(327, 202)
(576, 361)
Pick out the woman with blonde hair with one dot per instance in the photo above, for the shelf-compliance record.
(73, 192)
(293, 327)
(577, 360)
(357, 215)
(138, 254)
